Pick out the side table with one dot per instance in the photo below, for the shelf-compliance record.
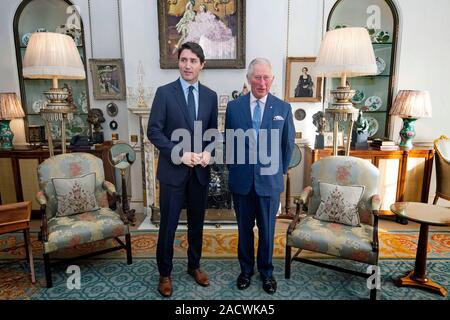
(427, 215)
(16, 217)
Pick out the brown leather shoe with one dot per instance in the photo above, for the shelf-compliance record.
(165, 286)
(200, 277)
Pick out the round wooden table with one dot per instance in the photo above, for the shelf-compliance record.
(427, 215)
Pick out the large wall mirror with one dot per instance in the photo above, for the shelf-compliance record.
(373, 93)
(50, 16)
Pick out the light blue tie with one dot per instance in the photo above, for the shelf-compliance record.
(257, 117)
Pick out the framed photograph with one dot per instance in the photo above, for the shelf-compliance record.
(328, 139)
(108, 79)
(223, 100)
(301, 85)
(217, 26)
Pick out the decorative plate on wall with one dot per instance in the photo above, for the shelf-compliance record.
(373, 103)
(113, 125)
(112, 109)
(358, 97)
(300, 114)
(381, 65)
(26, 38)
(373, 125)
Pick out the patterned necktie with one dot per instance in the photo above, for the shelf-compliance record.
(191, 103)
(257, 117)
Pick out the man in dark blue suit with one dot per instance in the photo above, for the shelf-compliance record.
(256, 168)
(183, 174)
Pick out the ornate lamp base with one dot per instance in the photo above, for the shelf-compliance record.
(6, 135)
(407, 133)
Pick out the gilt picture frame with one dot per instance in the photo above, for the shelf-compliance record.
(301, 85)
(108, 79)
(218, 26)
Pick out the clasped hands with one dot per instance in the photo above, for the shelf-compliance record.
(192, 159)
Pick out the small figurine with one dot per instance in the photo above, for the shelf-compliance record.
(69, 99)
(236, 94)
(361, 124)
(96, 118)
(319, 122)
(361, 132)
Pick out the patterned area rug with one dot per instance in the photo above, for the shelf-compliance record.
(113, 279)
(223, 244)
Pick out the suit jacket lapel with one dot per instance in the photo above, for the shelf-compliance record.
(266, 122)
(202, 113)
(246, 113)
(179, 95)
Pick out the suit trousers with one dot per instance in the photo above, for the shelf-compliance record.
(172, 200)
(264, 209)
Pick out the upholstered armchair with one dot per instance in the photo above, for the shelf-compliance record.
(442, 156)
(352, 242)
(75, 208)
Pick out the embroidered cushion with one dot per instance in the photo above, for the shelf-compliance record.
(339, 203)
(75, 195)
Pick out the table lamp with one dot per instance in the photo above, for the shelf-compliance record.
(410, 105)
(344, 52)
(10, 108)
(54, 56)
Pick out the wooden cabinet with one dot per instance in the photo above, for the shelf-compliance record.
(18, 172)
(404, 175)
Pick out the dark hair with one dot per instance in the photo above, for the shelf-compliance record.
(195, 48)
(305, 68)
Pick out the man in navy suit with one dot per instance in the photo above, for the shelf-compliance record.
(256, 170)
(183, 174)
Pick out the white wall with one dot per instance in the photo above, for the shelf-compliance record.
(424, 45)
(424, 63)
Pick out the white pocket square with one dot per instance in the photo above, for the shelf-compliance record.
(278, 118)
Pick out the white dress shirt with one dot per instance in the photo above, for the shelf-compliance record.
(262, 104)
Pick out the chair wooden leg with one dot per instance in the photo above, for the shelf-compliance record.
(48, 272)
(373, 294)
(27, 252)
(435, 199)
(128, 245)
(287, 268)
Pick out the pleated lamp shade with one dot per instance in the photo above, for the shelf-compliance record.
(10, 107)
(52, 55)
(346, 51)
(412, 104)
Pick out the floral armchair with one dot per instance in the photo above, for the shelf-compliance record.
(442, 148)
(63, 232)
(358, 243)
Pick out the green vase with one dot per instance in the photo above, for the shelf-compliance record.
(407, 133)
(6, 135)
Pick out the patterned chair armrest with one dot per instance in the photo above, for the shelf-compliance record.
(375, 205)
(301, 202)
(109, 187)
(40, 197)
(304, 196)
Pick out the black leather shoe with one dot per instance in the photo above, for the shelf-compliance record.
(243, 281)
(269, 284)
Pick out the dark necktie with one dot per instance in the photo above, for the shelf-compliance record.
(191, 103)
(257, 117)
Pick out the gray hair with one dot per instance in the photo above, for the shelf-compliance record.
(255, 61)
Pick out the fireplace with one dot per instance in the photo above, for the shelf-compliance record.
(219, 206)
